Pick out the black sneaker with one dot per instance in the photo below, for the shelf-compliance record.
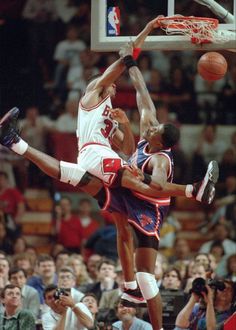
(204, 191)
(133, 298)
(9, 133)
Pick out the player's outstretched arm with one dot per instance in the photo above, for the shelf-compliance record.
(113, 72)
(145, 104)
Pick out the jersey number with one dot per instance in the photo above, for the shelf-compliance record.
(106, 131)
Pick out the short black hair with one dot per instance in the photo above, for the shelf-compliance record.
(170, 136)
(16, 270)
(49, 288)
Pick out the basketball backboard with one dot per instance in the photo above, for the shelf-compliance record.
(100, 41)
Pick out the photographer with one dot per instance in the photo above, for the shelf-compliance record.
(209, 306)
(64, 313)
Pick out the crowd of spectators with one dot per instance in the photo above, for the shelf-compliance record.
(47, 63)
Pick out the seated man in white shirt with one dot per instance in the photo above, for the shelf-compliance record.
(63, 312)
(67, 280)
(30, 296)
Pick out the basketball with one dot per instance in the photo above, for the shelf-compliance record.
(212, 66)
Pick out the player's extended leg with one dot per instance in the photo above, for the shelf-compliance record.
(203, 191)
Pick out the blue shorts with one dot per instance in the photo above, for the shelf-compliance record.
(147, 217)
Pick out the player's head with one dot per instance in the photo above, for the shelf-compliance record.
(163, 136)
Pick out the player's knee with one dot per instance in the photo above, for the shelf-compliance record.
(147, 284)
(72, 174)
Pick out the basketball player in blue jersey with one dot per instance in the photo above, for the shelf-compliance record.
(153, 154)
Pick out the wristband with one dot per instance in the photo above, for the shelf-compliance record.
(147, 178)
(129, 61)
(136, 53)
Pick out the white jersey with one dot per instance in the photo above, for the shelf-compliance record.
(95, 125)
(95, 129)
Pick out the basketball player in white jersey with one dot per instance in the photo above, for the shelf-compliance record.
(97, 129)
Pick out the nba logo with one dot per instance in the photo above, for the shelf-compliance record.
(113, 21)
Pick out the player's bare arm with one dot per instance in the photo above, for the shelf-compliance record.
(112, 73)
(158, 166)
(123, 137)
(145, 104)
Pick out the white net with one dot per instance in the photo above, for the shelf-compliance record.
(199, 30)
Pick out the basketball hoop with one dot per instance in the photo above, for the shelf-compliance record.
(201, 30)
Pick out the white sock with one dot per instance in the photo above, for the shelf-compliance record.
(19, 147)
(131, 285)
(189, 191)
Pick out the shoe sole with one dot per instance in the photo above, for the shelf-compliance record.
(10, 114)
(128, 303)
(133, 300)
(208, 184)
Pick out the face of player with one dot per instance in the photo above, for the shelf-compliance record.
(153, 135)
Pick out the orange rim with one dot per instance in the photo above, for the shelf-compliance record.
(174, 22)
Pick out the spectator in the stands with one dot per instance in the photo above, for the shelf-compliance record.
(145, 66)
(30, 296)
(110, 298)
(231, 268)
(42, 24)
(5, 243)
(128, 320)
(197, 270)
(68, 228)
(14, 317)
(88, 223)
(24, 260)
(82, 277)
(182, 96)
(11, 199)
(106, 279)
(67, 121)
(103, 242)
(64, 312)
(66, 280)
(181, 250)
(90, 300)
(46, 274)
(62, 259)
(92, 266)
(19, 245)
(209, 312)
(67, 55)
(171, 279)
(4, 270)
(220, 233)
(209, 147)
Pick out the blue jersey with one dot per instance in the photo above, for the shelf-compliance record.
(143, 212)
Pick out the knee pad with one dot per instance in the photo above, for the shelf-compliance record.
(71, 173)
(147, 284)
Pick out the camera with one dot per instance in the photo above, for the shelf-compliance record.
(61, 292)
(199, 286)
